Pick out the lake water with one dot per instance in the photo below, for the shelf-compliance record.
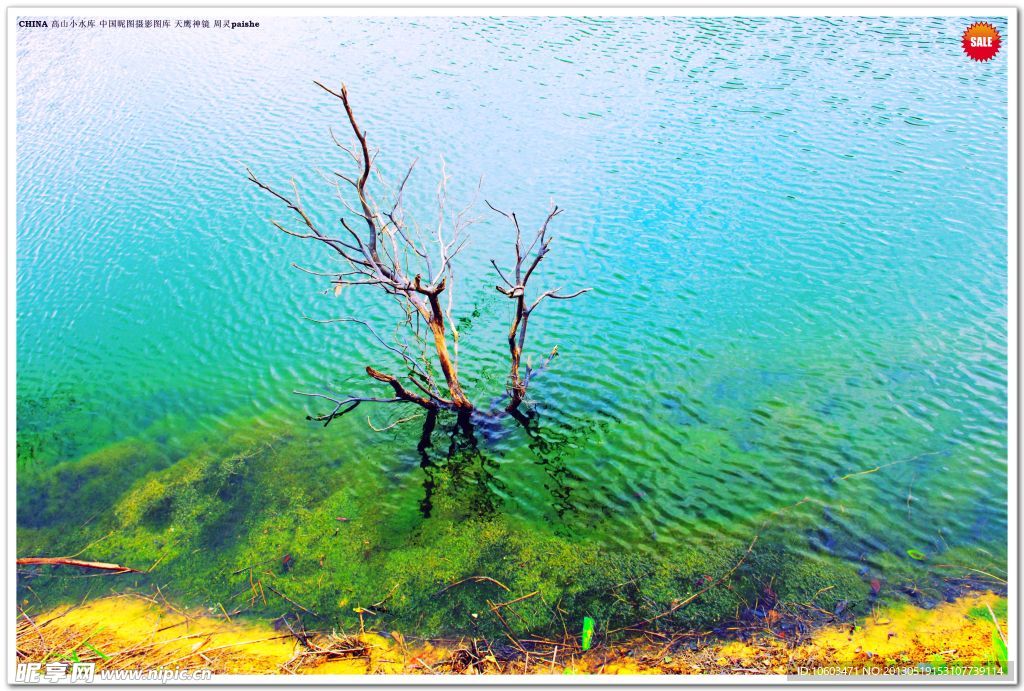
(795, 230)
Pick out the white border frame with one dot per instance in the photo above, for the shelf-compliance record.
(417, 9)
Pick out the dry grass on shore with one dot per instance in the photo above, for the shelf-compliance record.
(143, 633)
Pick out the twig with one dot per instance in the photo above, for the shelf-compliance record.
(518, 599)
(996, 622)
(394, 424)
(228, 645)
(288, 599)
(968, 568)
(886, 465)
(385, 598)
(679, 605)
(67, 561)
(474, 579)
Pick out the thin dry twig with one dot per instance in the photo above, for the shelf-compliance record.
(474, 579)
(80, 563)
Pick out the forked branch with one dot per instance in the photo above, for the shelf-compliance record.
(413, 267)
(387, 254)
(526, 262)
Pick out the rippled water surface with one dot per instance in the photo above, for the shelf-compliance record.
(795, 231)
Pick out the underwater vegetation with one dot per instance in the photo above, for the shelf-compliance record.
(273, 525)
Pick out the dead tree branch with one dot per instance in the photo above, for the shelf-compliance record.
(377, 245)
(385, 255)
(526, 262)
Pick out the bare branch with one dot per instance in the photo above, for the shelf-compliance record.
(414, 266)
(553, 294)
(396, 423)
(516, 291)
(343, 405)
(503, 213)
(502, 276)
(400, 391)
(401, 352)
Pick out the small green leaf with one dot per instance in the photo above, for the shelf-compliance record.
(1001, 653)
(916, 554)
(588, 633)
(96, 650)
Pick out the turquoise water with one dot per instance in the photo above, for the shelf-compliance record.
(795, 231)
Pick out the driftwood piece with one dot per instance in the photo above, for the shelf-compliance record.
(67, 561)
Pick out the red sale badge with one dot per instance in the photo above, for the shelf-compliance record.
(981, 41)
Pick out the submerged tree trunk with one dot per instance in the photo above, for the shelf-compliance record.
(413, 266)
(448, 368)
(516, 337)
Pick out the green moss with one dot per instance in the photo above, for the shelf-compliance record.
(250, 520)
(447, 575)
(271, 511)
(73, 492)
(822, 581)
(1000, 610)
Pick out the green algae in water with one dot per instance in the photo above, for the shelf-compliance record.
(273, 508)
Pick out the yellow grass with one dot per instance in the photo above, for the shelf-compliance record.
(132, 632)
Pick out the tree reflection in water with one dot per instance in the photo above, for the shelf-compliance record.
(460, 453)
